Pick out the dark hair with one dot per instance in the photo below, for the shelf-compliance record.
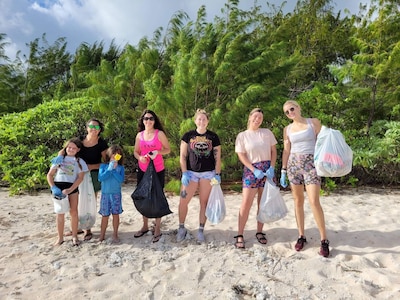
(114, 149)
(157, 123)
(96, 120)
(78, 143)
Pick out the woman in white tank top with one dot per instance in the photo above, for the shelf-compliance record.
(298, 163)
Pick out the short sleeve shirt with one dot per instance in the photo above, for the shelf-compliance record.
(92, 155)
(200, 156)
(69, 169)
(256, 144)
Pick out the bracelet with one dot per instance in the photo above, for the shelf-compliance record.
(283, 170)
(219, 174)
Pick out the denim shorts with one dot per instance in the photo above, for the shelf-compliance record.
(196, 176)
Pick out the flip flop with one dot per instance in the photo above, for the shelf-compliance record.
(140, 233)
(157, 238)
(261, 238)
(239, 244)
(69, 233)
(88, 236)
(75, 242)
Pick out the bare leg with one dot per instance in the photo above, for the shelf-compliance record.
(313, 196)
(260, 225)
(298, 195)
(60, 220)
(115, 227)
(103, 228)
(204, 193)
(73, 211)
(184, 201)
(247, 201)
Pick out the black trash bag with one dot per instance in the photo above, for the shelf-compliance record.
(149, 197)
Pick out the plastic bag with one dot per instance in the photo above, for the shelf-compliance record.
(148, 197)
(61, 206)
(87, 203)
(215, 210)
(272, 205)
(332, 156)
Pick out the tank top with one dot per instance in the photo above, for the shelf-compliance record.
(302, 142)
(148, 146)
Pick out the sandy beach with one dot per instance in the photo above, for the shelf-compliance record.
(362, 223)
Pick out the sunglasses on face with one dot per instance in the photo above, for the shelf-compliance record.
(148, 119)
(97, 127)
(289, 110)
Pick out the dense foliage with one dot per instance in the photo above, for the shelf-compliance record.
(343, 69)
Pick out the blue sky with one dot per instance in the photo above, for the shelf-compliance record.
(125, 21)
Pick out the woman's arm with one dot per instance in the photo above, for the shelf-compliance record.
(165, 144)
(217, 156)
(245, 160)
(286, 148)
(183, 156)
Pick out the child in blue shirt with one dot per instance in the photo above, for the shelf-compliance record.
(111, 176)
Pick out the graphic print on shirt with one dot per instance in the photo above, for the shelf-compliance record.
(200, 147)
(67, 168)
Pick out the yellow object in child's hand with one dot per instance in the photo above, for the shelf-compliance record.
(117, 156)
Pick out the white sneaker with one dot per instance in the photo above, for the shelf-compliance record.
(181, 235)
(200, 237)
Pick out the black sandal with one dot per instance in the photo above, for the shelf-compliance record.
(239, 245)
(261, 238)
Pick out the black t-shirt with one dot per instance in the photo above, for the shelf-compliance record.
(92, 155)
(200, 156)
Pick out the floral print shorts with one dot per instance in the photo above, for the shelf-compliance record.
(249, 180)
(110, 204)
(301, 169)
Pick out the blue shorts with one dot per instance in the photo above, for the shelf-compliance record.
(301, 169)
(196, 176)
(249, 180)
(110, 204)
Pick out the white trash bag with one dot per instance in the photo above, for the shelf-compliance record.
(61, 206)
(216, 210)
(87, 203)
(332, 156)
(272, 205)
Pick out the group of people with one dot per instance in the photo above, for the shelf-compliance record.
(200, 162)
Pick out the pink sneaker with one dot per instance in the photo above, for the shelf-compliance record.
(300, 243)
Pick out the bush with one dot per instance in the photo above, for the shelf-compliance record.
(31, 138)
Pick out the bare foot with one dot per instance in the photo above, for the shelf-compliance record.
(58, 243)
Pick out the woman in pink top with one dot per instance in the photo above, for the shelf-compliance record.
(151, 143)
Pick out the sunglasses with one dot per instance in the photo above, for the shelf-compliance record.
(148, 119)
(97, 127)
(289, 110)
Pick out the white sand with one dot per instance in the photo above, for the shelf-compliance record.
(363, 228)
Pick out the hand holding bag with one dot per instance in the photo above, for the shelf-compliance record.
(216, 210)
(272, 205)
(148, 197)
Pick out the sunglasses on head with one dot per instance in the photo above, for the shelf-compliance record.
(289, 110)
(148, 119)
(97, 127)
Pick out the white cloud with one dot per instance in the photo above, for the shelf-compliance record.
(126, 21)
